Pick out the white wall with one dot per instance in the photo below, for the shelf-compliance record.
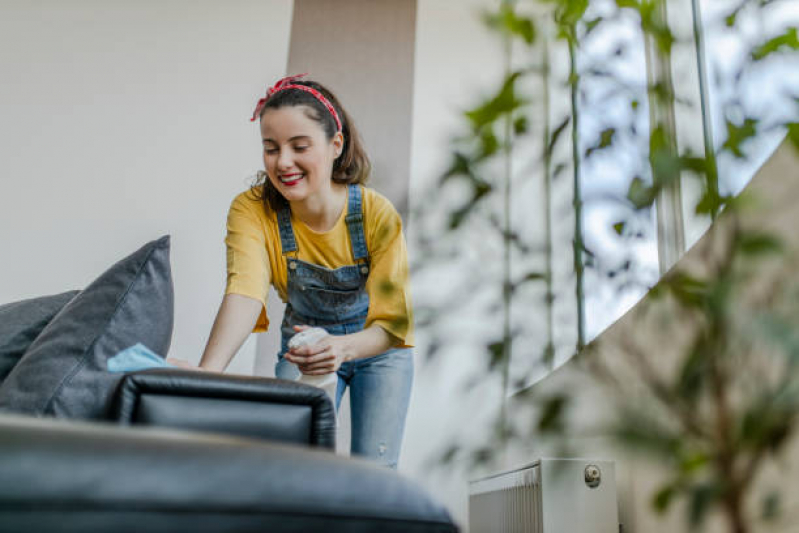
(452, 68)
(123, 121)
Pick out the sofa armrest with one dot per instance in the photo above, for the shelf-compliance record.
(266, 408)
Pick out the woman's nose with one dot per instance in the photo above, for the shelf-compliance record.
(284, 160)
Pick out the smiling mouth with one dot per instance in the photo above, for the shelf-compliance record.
(290, 179)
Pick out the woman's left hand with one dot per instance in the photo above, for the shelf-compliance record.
(318, 359)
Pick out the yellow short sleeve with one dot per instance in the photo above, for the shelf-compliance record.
(248, 271)
(388, 285)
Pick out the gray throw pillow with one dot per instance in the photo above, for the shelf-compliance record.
(21, 322)
(64, 372)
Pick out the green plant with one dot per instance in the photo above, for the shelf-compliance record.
(705, 415)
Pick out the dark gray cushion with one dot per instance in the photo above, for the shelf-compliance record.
(63, 373)
(21, 322)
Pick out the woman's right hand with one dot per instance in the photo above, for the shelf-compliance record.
(181, 363)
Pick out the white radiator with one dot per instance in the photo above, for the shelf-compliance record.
(547, 496)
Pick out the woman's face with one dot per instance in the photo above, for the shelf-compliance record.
(298, 157)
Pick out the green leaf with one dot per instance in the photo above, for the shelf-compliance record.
(489, 144)
(793, 133)
(496, 352)
(759, 244)
(556, 133)
(694, 164)
(663, 498)
(640, 194)
(701, 499)
(665, 163)
(653, 24)
(605, 139)
(552, 413)
(688, 290)
(480, 189)
(533, 276)
(461, 166)
(693, 462)
(693, 375)
(449, 454)
(548, 357)
(567, 14)
(502, 104)
(508, 21)
(642, 432)
(710, 203)
(661, 92)
(788, 40)
(521, 125)
(738, 135)
(592, 24)
(767, 424)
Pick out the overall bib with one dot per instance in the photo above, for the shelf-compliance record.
(337, 301)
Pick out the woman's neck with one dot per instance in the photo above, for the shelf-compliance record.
(320, 213)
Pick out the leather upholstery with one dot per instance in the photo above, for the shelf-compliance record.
(88, 477)
(267, 408)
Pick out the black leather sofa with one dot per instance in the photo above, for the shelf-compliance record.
(192, 451)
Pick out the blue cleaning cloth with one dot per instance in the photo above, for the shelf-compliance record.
(137, 357)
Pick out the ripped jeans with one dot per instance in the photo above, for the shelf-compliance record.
(380, 390)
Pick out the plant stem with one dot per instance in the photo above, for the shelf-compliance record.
(506, 273)
(577, 200)
(712, 173)
(549, 351)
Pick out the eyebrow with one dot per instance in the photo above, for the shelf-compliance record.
(295, 138)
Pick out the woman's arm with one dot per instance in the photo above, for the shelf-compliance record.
(234, 322)
(328, 354)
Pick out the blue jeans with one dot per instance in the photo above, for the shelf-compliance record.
(337, 300)
(380, 391)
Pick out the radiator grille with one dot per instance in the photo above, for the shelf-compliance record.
(510, 502)
(547, 496)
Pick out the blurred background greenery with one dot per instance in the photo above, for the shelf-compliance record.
(619, 133)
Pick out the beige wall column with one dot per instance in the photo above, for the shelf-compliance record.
(363, 50)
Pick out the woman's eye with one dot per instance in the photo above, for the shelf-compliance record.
(300, 148)
(270, 150)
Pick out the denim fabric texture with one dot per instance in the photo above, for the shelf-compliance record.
(337, 301)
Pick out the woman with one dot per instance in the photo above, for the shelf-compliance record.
(335, 253)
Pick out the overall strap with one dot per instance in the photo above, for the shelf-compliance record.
(287, 242)
(355, 223)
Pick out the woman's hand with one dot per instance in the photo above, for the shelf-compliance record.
(182, 363)
(322, 358)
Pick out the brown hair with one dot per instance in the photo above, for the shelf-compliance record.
(352, 166)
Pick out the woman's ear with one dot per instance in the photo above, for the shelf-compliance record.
(338, 143)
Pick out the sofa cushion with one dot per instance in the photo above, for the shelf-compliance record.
(64, 371)
(86, 477)
(21, 322)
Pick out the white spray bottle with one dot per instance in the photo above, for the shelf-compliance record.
(327, 382)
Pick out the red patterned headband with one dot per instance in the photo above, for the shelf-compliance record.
(287, 83)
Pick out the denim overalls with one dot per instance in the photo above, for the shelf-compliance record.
(337, 301)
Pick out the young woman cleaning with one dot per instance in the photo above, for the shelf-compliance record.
(334, 251)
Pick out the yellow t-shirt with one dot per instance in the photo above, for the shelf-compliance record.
(255, 259)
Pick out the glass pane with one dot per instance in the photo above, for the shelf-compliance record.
(747, 86)
(619, 243)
